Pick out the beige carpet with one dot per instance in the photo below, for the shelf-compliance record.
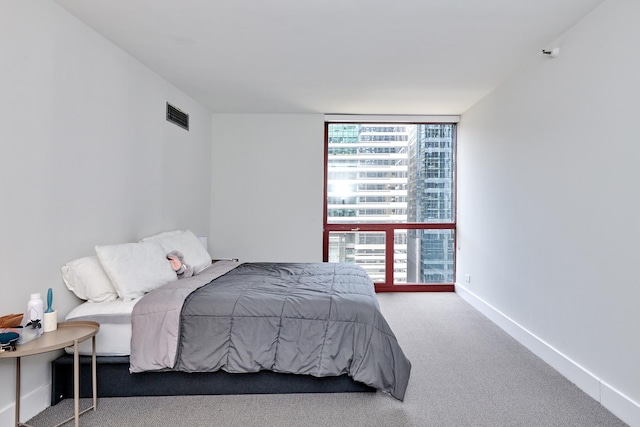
(466, 372)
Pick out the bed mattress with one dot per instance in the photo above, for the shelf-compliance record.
(114, 317)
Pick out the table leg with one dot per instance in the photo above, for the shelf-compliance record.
(94, 375)
(17, 392)
(76, 382)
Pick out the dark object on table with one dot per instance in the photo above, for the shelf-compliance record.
(8, 341)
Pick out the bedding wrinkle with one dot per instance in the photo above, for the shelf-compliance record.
(281, 317)
(229, 335)
(326, 324)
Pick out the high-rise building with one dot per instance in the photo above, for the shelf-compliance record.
(430, 195)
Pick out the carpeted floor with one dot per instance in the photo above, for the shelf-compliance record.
(466, 372)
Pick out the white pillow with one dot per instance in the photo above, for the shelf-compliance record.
(186, 242)
(135, 268)
(86, 278)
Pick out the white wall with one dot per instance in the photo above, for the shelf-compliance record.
(267, 195)
(549, 166)
(87, 158)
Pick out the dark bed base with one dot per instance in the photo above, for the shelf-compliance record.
(114, 380)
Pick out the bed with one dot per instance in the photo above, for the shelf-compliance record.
(258, 326)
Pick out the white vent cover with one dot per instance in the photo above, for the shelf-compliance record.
(178, 117)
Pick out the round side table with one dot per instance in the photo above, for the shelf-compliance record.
(68, 334)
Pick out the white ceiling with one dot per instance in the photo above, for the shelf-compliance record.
(333, 56)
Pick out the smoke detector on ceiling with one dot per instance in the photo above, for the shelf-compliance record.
(552, 53)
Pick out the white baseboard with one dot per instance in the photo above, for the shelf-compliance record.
(619, 404)
(31, 405)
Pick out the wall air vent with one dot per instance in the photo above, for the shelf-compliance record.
(177, 117)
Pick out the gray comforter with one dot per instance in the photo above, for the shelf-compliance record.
(317, 319)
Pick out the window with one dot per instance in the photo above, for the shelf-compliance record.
(389, 203)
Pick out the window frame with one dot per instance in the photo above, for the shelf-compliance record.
(390, 228)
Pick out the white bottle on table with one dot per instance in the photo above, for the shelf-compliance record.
(35, 311)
